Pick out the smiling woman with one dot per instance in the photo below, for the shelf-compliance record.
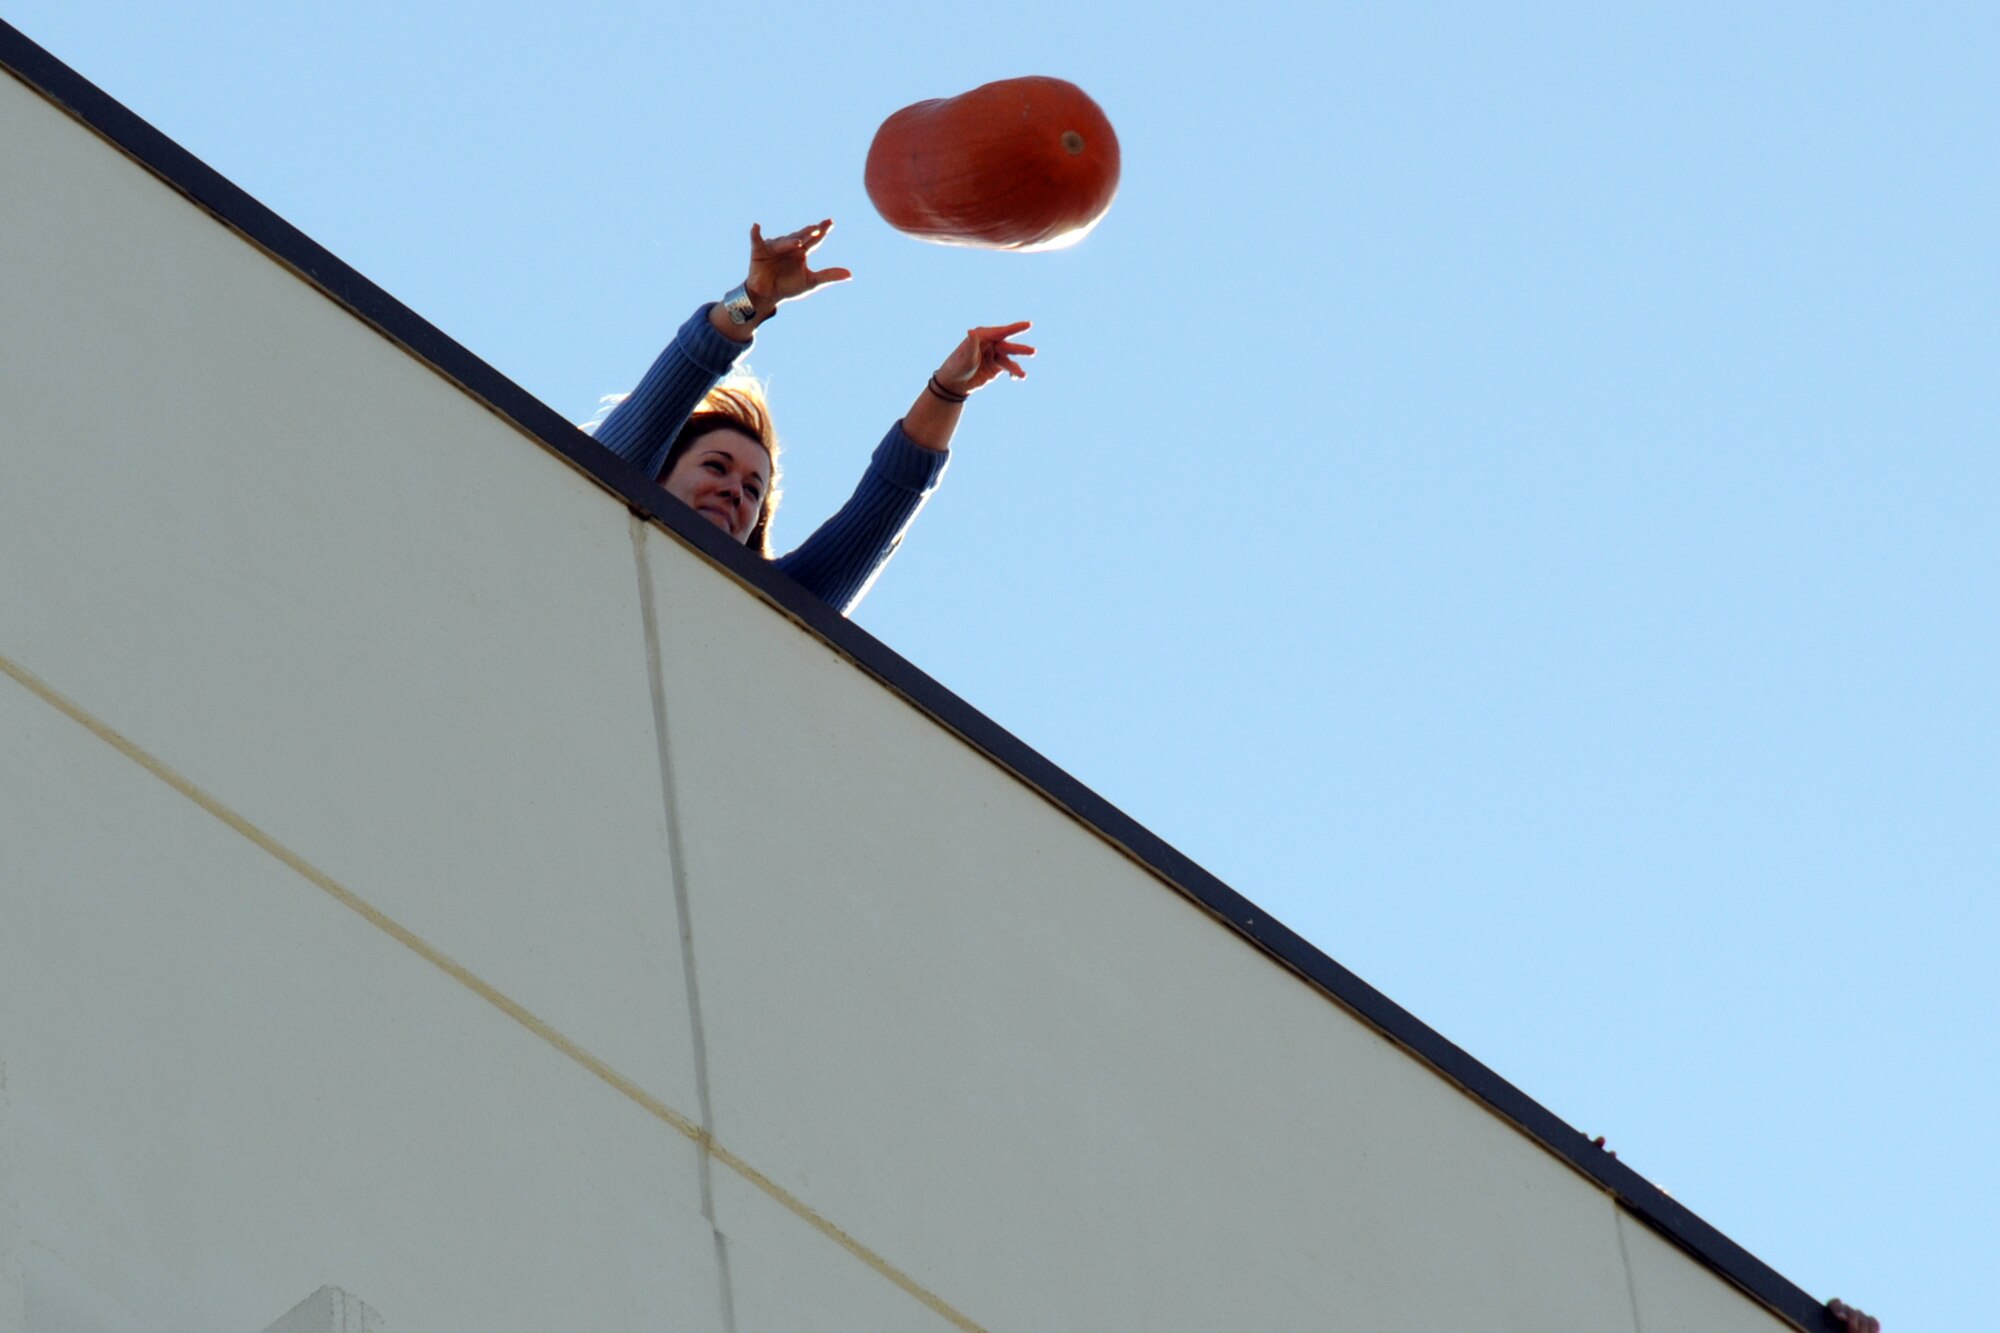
(724, 464)
(713, 447)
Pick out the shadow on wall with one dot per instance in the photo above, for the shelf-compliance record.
(329, 1310)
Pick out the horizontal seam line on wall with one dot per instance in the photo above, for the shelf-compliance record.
(485, 990)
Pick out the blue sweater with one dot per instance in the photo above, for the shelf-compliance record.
(838, 562)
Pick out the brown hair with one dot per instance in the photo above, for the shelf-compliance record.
(736, 406)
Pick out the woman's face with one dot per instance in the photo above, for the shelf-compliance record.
(723, 477)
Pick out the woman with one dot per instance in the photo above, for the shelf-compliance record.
(714, 448)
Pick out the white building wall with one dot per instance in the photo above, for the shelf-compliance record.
(230, 1088)
(361, 765)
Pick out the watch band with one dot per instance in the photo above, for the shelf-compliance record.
(739, 307)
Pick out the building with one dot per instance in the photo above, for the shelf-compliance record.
(512, 905)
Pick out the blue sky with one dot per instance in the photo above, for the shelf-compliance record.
(1510, 489)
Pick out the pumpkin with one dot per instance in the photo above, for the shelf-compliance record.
(1021, 164)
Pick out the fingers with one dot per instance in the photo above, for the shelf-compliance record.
(992, 347)
(778, 264)
(999, 337)
(792, 243)
(1002, 355)
(805, 238)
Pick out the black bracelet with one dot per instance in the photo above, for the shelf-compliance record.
(945, 393)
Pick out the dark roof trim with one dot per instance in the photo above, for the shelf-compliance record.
(205, 187)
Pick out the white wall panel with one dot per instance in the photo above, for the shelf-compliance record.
(1674, 1294)
(1036, 1079)
(228, 1089)
(789, 1276)
(319, 581)
(12, 1299)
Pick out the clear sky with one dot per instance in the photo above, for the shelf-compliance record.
(1511, 489)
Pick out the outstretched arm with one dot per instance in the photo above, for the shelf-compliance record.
(985, 355)
(780, 271)
(840, 561)
(640, 429)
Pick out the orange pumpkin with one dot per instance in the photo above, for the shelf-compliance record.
(1022, 164)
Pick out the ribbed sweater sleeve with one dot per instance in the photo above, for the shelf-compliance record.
(840, 561)
(642, 428)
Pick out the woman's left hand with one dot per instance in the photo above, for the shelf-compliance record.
(984, 355)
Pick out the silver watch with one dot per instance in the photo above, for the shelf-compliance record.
(737, 303)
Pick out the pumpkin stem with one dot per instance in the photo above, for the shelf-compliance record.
(1073, 142)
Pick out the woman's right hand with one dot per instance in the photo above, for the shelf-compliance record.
(779, 270)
